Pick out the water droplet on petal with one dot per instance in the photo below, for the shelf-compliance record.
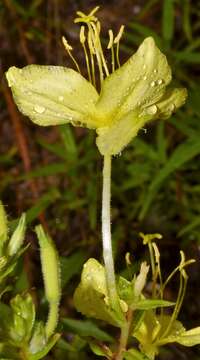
(152, 110)
(60, 98)
(172, 107)
(153, 84)
(160, 81)
(39, 109)
(155, 71)
(145, 77)
(144, 66)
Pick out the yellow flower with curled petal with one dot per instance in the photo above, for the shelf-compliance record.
(129, 96)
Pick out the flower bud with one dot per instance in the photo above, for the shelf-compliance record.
(17, 237)
(3, 227)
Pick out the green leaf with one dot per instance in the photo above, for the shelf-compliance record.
(191, 226)
(148, 304)
(145, 31)
(68, 142)
(168, 19)
(41, 204)
(46, 170)
(3, 227)
(17, 237)
(42, 348)
(183, 153)
(187, 19)
(71, 265)
(23, 318)
(86, 328)
(188, 57)
(52, 95)
(91, 297)
(125, 290)
(100, 350)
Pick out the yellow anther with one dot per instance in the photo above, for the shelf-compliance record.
(156, 253)
(119, 35)
(69, 48)
(82, 35)
(128, 259)
(66, 44)
(111, 38)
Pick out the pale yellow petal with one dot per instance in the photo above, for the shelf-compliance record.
(51, 95)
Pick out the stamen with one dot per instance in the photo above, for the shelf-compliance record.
(92, 53)
(94, 45)
(94, 38)
(117, 41)
(182, 289)
(157, 260)
(82, 41)
(111, 38)
(98, 27)
(69, 48)
(111, 47)
(119, 35)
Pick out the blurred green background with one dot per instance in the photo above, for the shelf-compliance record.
(54, 174)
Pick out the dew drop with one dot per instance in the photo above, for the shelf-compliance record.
(153, 84)
(155, 71)
(39, 109)
(172, 107)
(152, 110)
(145, 77)
(60, 98)
(144, 66)
(160, 81)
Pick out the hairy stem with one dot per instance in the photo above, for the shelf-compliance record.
(52, 319)
(106, 233)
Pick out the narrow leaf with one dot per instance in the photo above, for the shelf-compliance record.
(86, 328)
(183, 153)
(168, 19)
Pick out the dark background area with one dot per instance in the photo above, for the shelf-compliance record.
(54, 173)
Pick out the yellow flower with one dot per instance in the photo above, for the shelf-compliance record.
(129, 96)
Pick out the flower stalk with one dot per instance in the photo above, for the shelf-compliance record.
(106, 232)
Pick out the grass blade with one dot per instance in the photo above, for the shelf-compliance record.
(183, 153)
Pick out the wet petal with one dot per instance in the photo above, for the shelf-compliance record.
(112, 140)
(52, 95)
(172, 100)
(139, 83)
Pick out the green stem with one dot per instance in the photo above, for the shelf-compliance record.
(52, 319)
(125, 331)
(106, 233)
